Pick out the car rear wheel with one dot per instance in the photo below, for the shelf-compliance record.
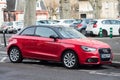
(70, 59)
(104, 33)
(83, 31)
(15, 55)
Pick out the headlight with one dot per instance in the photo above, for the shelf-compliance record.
(88, 49)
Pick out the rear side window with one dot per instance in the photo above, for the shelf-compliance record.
(78, 21)
(28, 31)
(45, 32)
(93, 22)
(10, 24)
(68, 21)
(106, 22)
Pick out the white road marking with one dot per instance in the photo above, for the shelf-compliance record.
(107, 74)
(101, 73)
(3, 52)
(3, 59)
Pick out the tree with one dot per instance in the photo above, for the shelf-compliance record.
(96, 5)
(65, 9)
(52, 6)
(74, 8)
(118, 8)
(30, 12)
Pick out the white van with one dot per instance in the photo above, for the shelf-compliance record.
(94, 27)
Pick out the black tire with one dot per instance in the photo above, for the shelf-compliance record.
(15, 55)
(70, 59)
(104, 33)
(14, 31)
(83, 31)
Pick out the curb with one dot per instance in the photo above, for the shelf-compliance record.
(115, 64)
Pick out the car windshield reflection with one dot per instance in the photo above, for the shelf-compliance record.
(70, 33)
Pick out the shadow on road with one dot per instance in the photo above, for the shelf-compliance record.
(51, 64)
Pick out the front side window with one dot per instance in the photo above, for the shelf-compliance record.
(45, 32)
(115, 22)
(106, 22)
(28, 31)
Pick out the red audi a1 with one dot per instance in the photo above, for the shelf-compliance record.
(60, 44)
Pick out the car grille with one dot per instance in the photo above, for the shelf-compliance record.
(105, 54)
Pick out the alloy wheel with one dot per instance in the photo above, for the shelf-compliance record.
(70, 59)
(15, 55)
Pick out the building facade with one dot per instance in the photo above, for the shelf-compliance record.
(109, 9)
(15, 10)
(2, 7)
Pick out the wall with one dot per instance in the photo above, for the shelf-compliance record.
(19, 15)
(2, 6)
(109, 9)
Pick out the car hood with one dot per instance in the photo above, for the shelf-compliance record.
(88, 42)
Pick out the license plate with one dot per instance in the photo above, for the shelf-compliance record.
(105, 56)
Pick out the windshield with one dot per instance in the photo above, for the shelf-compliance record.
(70, 33)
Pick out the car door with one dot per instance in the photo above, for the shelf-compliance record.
(47, 48)
(28, 42)
(115, 25)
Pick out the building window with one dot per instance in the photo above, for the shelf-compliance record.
(38, 7)
(83, 15)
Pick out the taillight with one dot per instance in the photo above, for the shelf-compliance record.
(95, 25)
(79, 25)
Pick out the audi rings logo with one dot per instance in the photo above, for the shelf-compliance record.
(105, 51)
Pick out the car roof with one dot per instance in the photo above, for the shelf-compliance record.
(42, 25)
(104, 19)
(45, 25)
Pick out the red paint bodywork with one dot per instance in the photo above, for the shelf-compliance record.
(47, 49)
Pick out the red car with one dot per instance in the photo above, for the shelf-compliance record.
(60, 44)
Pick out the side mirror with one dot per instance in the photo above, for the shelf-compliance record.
(54, 37)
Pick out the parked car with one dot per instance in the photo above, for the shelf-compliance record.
(65, 22)
(42, 22)
(4, 26)
(119, 31)
(80, 25)
(94, 27)
(76, 23)
(60, 44)
(11, 27)
(17, 25)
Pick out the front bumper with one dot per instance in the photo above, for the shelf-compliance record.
(98, 57)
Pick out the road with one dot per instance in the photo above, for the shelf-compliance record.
(55, 71)
(34, 70)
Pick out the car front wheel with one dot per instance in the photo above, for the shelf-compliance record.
(15, 55)
(70, 59)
